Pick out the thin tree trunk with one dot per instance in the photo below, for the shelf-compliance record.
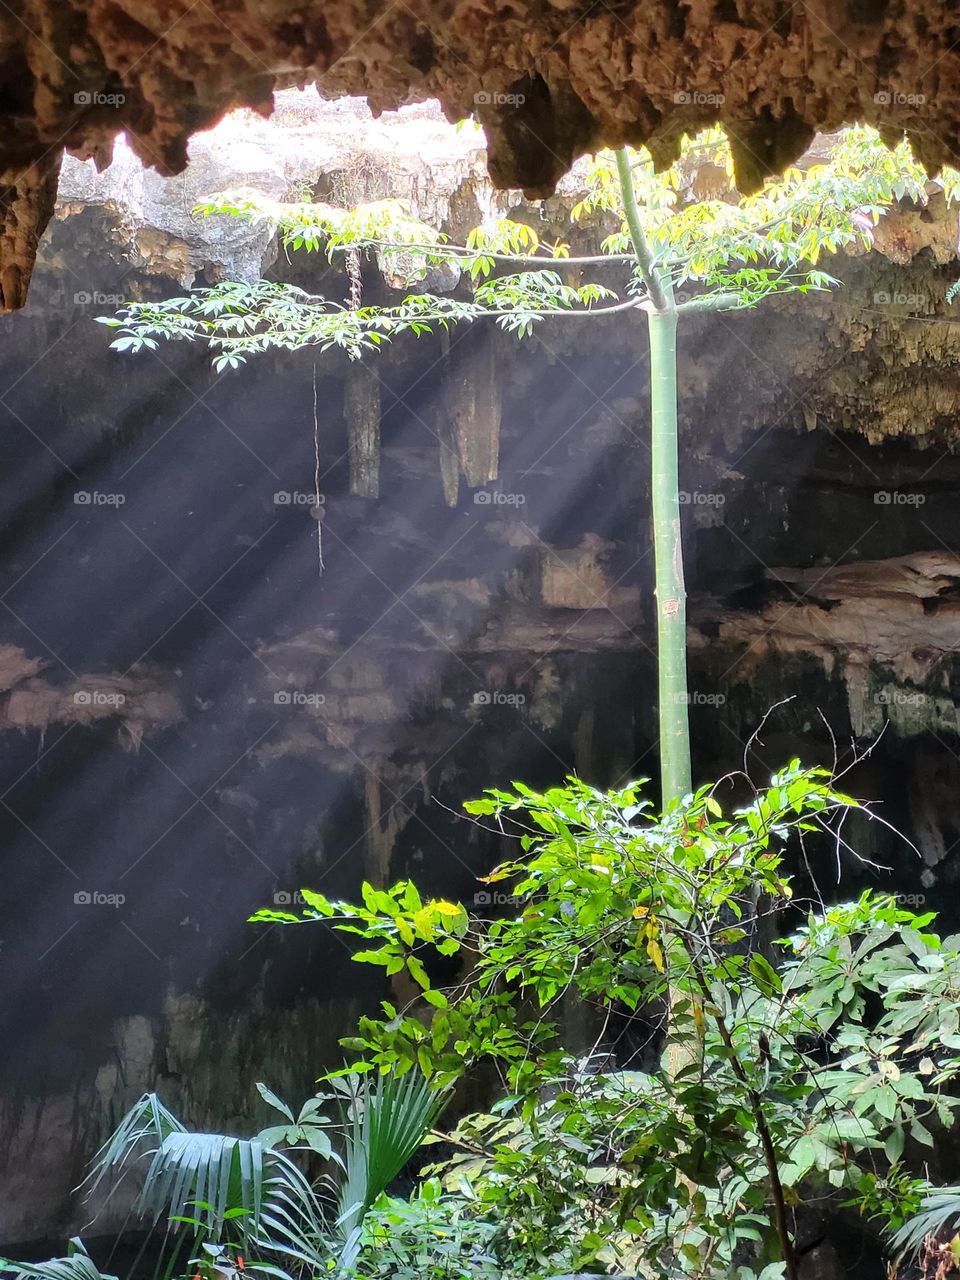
(665, 498)
(668, 558)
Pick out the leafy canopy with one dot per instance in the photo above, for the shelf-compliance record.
(721, 252)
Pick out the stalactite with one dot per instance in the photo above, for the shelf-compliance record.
(470, 414)
(362, 412)
(583, 743)
(449, 461)
(383, 828)
(446, 434)
(477, 410)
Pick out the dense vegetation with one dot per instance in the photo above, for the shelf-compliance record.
(815, 1068)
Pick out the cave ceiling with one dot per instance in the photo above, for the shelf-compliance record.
(548, 79)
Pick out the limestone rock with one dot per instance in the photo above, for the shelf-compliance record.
(548, 79)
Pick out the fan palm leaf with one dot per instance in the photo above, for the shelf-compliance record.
(387, 1124)
(294, 1223)
(206, 1176)
(939, 1212)
(148, 1120)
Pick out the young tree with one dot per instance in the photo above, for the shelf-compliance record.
(671, 254)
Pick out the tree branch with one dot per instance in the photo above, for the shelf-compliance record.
(662, 298)
(713, 302)
(461, 253)
(766, 1141)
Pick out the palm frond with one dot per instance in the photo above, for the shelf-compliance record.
(939, 1211)
(205, 1176)
(141, 1131)
(147, 1120)
(77, 1265)
(210, 1184)
(294, 1223)
(387, 1125)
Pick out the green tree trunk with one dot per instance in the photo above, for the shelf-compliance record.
(668, 558)
(665, 503)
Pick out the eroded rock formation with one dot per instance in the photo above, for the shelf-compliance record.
(136, 701)
(549, 79)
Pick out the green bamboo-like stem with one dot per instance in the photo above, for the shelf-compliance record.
(675, 773)
(659, 289)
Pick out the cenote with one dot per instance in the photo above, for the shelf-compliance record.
(480, 584)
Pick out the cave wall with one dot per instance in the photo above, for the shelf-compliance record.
(195, 720)
(549, 80)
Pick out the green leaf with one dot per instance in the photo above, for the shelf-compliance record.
(417, 972)
(272, 1100)
(764, 975)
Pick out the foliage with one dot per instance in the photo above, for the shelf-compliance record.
(820, 1064)
(148, 1119)
(723, 253)
(814, 1062)
(222, 1197)
(430, 1236)
(385, 1124)
(308, 1129)
(77, 1265)
(937, 1212)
